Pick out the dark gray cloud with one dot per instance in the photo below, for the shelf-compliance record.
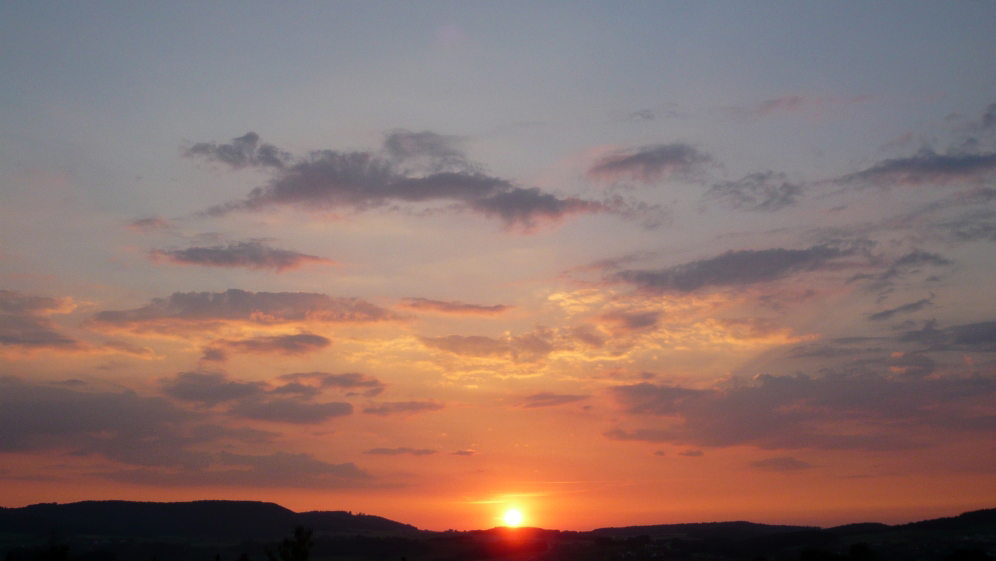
(926, 166)
(121, 426)
(621, 322)
(368, 386)
(362, 180)
(456, 308)
(150, 224)
(244, 151)
(904, 309)
(764, 191)
(738, 268)
(400, 451)
(549, 399)
(394, 407)
(289, 410)
(464, 453)
(439, 150)
(254, 255)
(289, 403)
(835, 411)
(209, 388)
(906, 265)
(300, 343)
(24, 322)
(649, 163)
(198, 311)
(781, 463)
(979, 337)
(281, 469)
(163, 444)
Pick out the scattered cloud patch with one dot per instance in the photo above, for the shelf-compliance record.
(396, 407)
(244, 151)
(464, 453)
(649, 164)
(151, 224)
(549, 399)
(209, 388)
(904, 309)
(400, 451)
(349, 381)
(287, 410)
(328, 180)
(836, 411)
(206, 311)
(764, 191)
(926, 166)
(456, 308)
(287, 345)
(254, 255)
(737, 268)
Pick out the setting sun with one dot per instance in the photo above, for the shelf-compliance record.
(513, 517)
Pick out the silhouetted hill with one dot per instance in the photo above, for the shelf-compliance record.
(703, 530)
(214, 520)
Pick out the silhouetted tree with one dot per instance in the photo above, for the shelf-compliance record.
(297, 549)
(968, 555)
(862, 552)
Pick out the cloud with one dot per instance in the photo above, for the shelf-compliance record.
(859, 411)
(394, 407)
(208, 388)
(241, 152)
(926, 166)
(691, 453)
(622, 322)
(399, 451)
(254, 400)
(347, 381)
(781, 463)
(904, 309)
(287, 410)
(764, 191)
(152, 435)
(548, 399)
(528, 347)
(276, 344)
(649, 163)
(784, 103)
(360, 181)
(281, 469)
(182, 312)
(253, 255)
(979, 337)
(403, 145)
(456, 308)
(464, 453)
(146, 225)
(737, 268)
(120, 426)
(24, 322)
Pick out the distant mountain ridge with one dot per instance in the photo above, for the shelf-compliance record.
(215, 520)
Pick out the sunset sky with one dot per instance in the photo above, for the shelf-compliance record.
(605, 264)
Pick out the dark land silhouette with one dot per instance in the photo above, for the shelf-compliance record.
(257, 531)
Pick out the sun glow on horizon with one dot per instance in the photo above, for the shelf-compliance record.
(512, 517)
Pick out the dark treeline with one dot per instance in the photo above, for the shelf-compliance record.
(246, 531)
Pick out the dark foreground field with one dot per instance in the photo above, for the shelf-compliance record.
(253, 531)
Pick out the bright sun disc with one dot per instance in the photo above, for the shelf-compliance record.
(513, 517)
